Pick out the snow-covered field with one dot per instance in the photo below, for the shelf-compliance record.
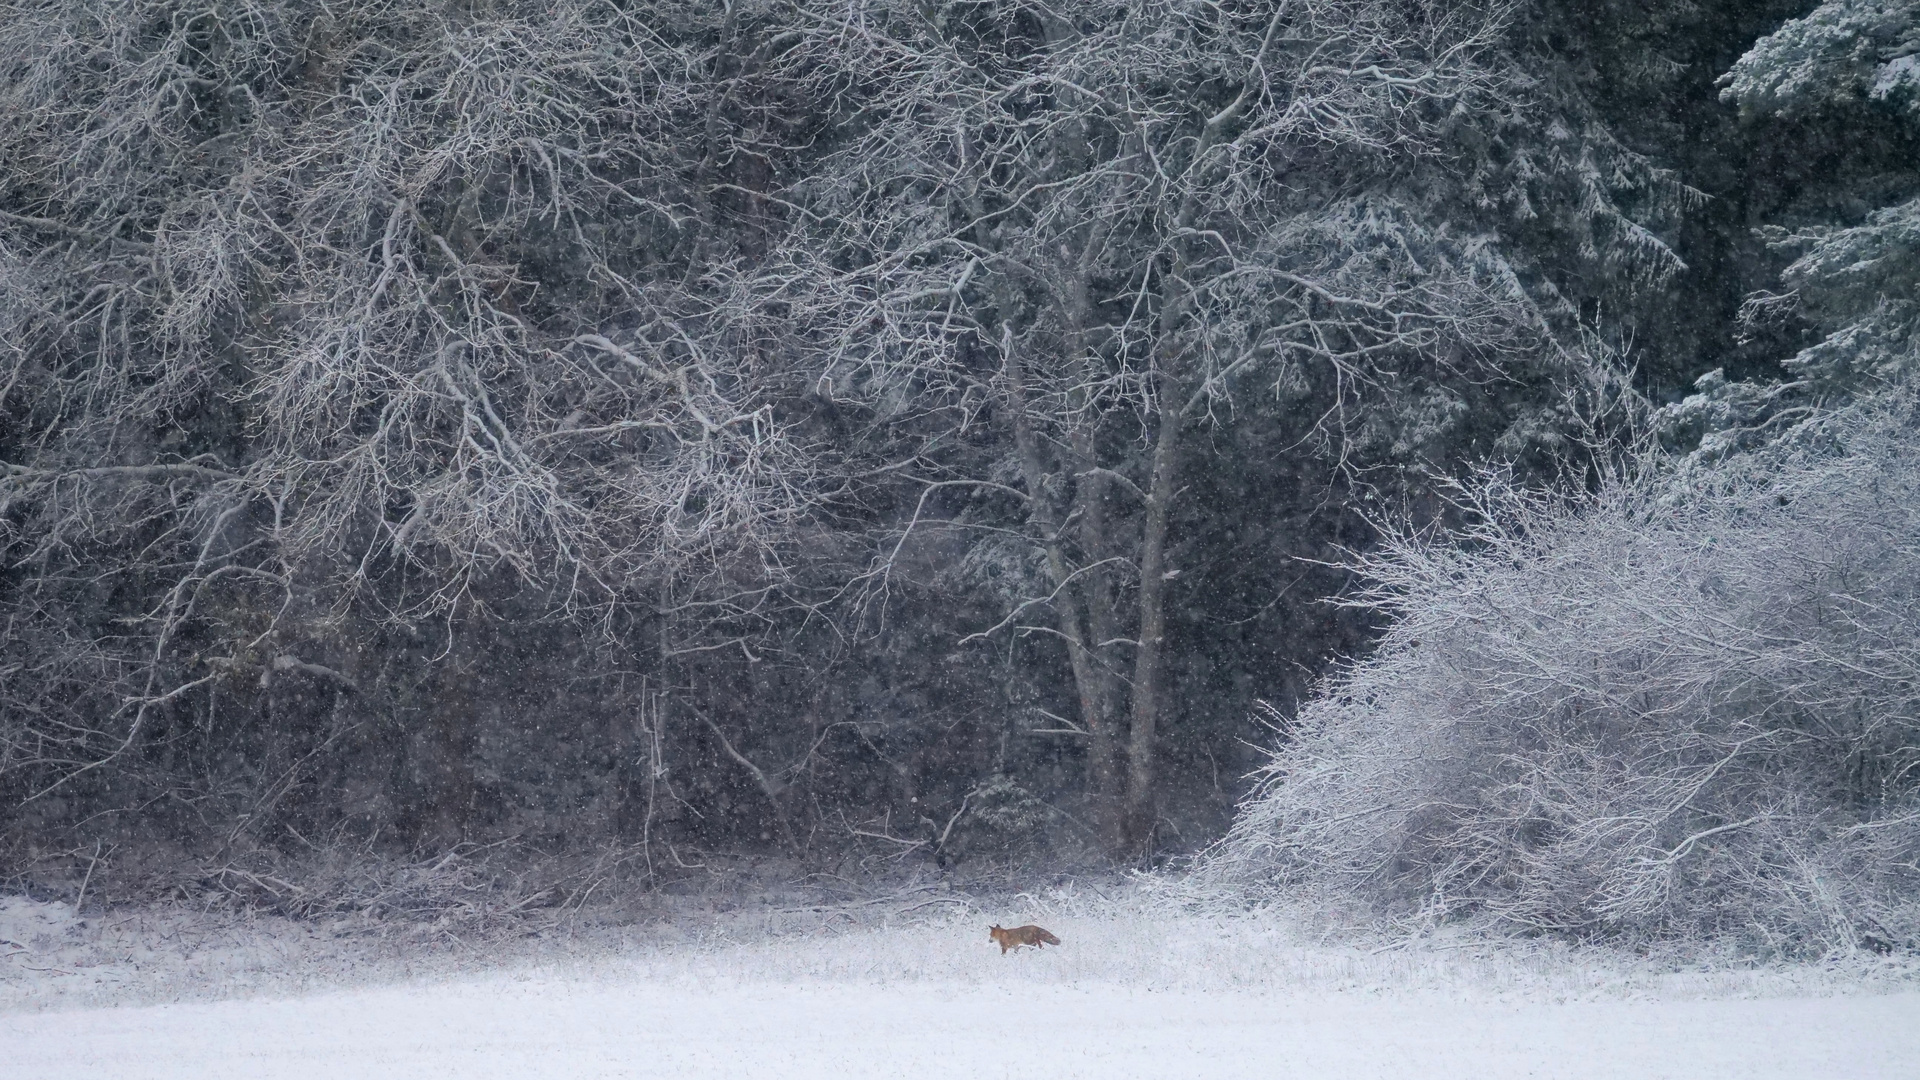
(843, 996)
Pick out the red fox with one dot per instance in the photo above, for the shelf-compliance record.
(1020, 935)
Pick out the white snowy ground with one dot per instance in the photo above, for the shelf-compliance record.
(922, 996)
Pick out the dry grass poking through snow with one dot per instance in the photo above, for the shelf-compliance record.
(1130, 940)
(926, 936)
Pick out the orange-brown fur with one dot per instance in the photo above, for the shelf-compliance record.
(1020, 935)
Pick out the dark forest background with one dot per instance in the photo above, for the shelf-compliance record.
(873, 428)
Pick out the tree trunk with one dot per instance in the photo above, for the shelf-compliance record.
(1088, 677)
(1154, 575)
(1103, 632)
(1098, 588)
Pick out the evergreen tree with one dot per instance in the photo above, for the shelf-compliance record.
(1854, 278)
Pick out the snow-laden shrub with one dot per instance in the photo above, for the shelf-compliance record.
(1656, 711)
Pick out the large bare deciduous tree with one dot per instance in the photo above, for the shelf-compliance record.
(315, 313)
(1095, 228)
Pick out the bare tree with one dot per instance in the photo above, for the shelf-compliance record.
(311, 309)
(336, 336)
(1091, 228)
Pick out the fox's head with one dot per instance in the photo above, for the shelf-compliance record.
(993, 932)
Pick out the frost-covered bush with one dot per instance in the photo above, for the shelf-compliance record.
(1659, 711)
